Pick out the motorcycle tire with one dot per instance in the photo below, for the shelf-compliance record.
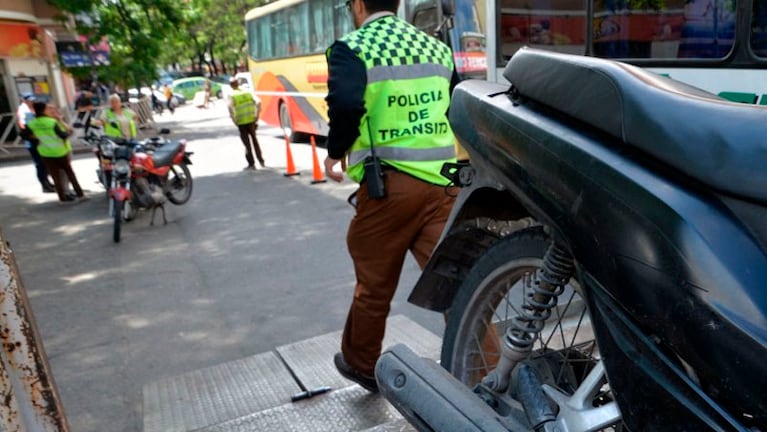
(490, 298)
(117, 214)
(179, 185)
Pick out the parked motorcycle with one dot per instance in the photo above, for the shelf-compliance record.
(605, 264)
(141, 175)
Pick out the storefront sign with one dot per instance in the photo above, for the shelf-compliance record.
(78, 53)
(21, 40)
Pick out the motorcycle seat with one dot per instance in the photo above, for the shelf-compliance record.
(719, 143)
(164, 155)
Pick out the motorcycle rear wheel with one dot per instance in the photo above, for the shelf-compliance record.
(179, 186)
(492, 295)
(117, 214)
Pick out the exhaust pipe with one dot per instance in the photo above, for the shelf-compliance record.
(433, 400)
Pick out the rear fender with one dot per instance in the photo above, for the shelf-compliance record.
(483, 213)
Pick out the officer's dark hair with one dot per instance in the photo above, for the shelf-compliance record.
(39, 108)
(373, 6)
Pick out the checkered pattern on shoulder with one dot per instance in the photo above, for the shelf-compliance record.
(390, 41)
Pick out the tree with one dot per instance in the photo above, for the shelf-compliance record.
(145, 35)
(136, 30)
(212, 34)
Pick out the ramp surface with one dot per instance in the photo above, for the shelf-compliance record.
(253, 394)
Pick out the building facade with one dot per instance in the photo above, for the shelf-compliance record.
(29, 31)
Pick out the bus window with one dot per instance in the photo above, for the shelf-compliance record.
(322, 18)
(637, 28)
(298, 22)
(344, 23)
(556, 25)
(759, 30)
(281, 34)
(708, 30)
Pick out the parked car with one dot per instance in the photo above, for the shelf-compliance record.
(179, 99)
(189, 86)
(223, 80)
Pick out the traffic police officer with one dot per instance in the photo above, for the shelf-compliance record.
(244, 109)
(54, 149)
(389, 91)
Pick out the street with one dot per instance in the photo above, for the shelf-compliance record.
(254, 260)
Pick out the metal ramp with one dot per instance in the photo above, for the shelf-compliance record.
(253, 394)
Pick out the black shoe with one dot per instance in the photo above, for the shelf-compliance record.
(367, 382)
(68, 200)
(249, 168)
(49, 189)
(262, 164)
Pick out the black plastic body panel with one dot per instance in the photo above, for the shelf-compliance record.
(670, 257)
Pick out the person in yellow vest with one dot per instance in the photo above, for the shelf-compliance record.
(389, 90)
(118, 122)
(244, 110)
(168, 93)
(55, 150)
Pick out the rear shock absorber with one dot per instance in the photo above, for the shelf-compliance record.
(544, 288)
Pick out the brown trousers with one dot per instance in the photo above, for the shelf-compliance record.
(60, 170)
(248, 137)
(410, 217)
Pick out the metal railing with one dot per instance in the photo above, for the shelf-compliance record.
(6, 132)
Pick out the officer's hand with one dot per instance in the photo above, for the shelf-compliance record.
(337, 176)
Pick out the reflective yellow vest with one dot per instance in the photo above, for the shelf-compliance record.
(116, 132)
(244, 107)
(51, 145)
(406, 98)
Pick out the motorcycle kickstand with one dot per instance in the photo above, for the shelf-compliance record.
(154, 209)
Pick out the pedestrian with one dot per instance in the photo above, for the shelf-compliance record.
(206, 89)
(244, 109)
(55, 149)
(84, 107)
(24, 115)
(168, 98)
(389, 90)
(118, 122)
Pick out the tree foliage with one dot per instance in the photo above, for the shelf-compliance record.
(145, 35)
(212, 34)
(136, 30)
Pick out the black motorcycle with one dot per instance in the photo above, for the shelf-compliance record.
(605, 264)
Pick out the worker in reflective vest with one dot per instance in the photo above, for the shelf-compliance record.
(118, 122)
(389, 90)
(244, 109)
(54, 149)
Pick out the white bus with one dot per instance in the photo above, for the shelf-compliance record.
(717, 45)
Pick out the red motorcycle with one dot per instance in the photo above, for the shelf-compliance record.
(141, 175)
(144, 174)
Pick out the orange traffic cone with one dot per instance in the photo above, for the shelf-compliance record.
(317, 175)
(290, 170)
